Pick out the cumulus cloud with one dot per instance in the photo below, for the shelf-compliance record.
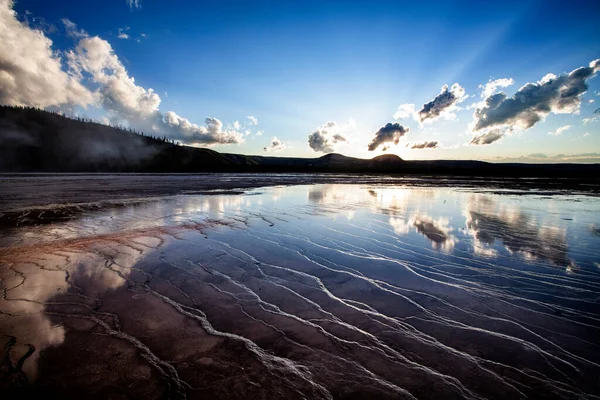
(31, 74)
(488, 137)
(275, 145)
(425, 145)
(390, 133)
(443, 104)
(534, 101)
(491, 87)
(253, 120)
(119, 93)
(323, 139)
(560, 130)
(181, 128)
(124, 100)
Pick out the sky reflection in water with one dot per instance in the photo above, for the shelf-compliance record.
(454, 287)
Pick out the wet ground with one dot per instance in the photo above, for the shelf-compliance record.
(366, 290)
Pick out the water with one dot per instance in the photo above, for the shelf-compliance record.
(309, 291)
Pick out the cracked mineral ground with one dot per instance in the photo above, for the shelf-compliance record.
(396, 289)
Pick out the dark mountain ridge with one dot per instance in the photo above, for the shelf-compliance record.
(33, 140)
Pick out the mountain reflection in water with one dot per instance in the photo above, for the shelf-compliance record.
(323, 291)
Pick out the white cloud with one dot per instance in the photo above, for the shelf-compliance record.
(491, 87)
(72, 30)
(534, 101)
(275, 145)
(433, 144)
(327, 135)
(443, 105)
(181, 128)
(389, 133)
(488, 137)
(119, 93)
(560, 130)
(124, 100)
(406, 111)
(31, 72)
(134, 3)
(253, 120)
(122, 33)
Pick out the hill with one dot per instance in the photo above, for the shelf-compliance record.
(33, 140)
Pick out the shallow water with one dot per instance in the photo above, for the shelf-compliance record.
(313, 291)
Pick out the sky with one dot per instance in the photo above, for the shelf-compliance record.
(496, 81)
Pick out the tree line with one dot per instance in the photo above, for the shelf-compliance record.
(40, 113)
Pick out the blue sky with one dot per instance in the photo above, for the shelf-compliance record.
(295, 66)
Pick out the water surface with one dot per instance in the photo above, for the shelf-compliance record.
(311, 291)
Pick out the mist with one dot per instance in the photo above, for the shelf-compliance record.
(32, 139)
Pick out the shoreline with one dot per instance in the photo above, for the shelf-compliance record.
(43, 199)
(25, 191)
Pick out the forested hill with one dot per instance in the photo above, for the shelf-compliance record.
(42, 141)
(33, 140)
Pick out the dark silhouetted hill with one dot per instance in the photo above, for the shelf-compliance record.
(42, 141)
(33, 140)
